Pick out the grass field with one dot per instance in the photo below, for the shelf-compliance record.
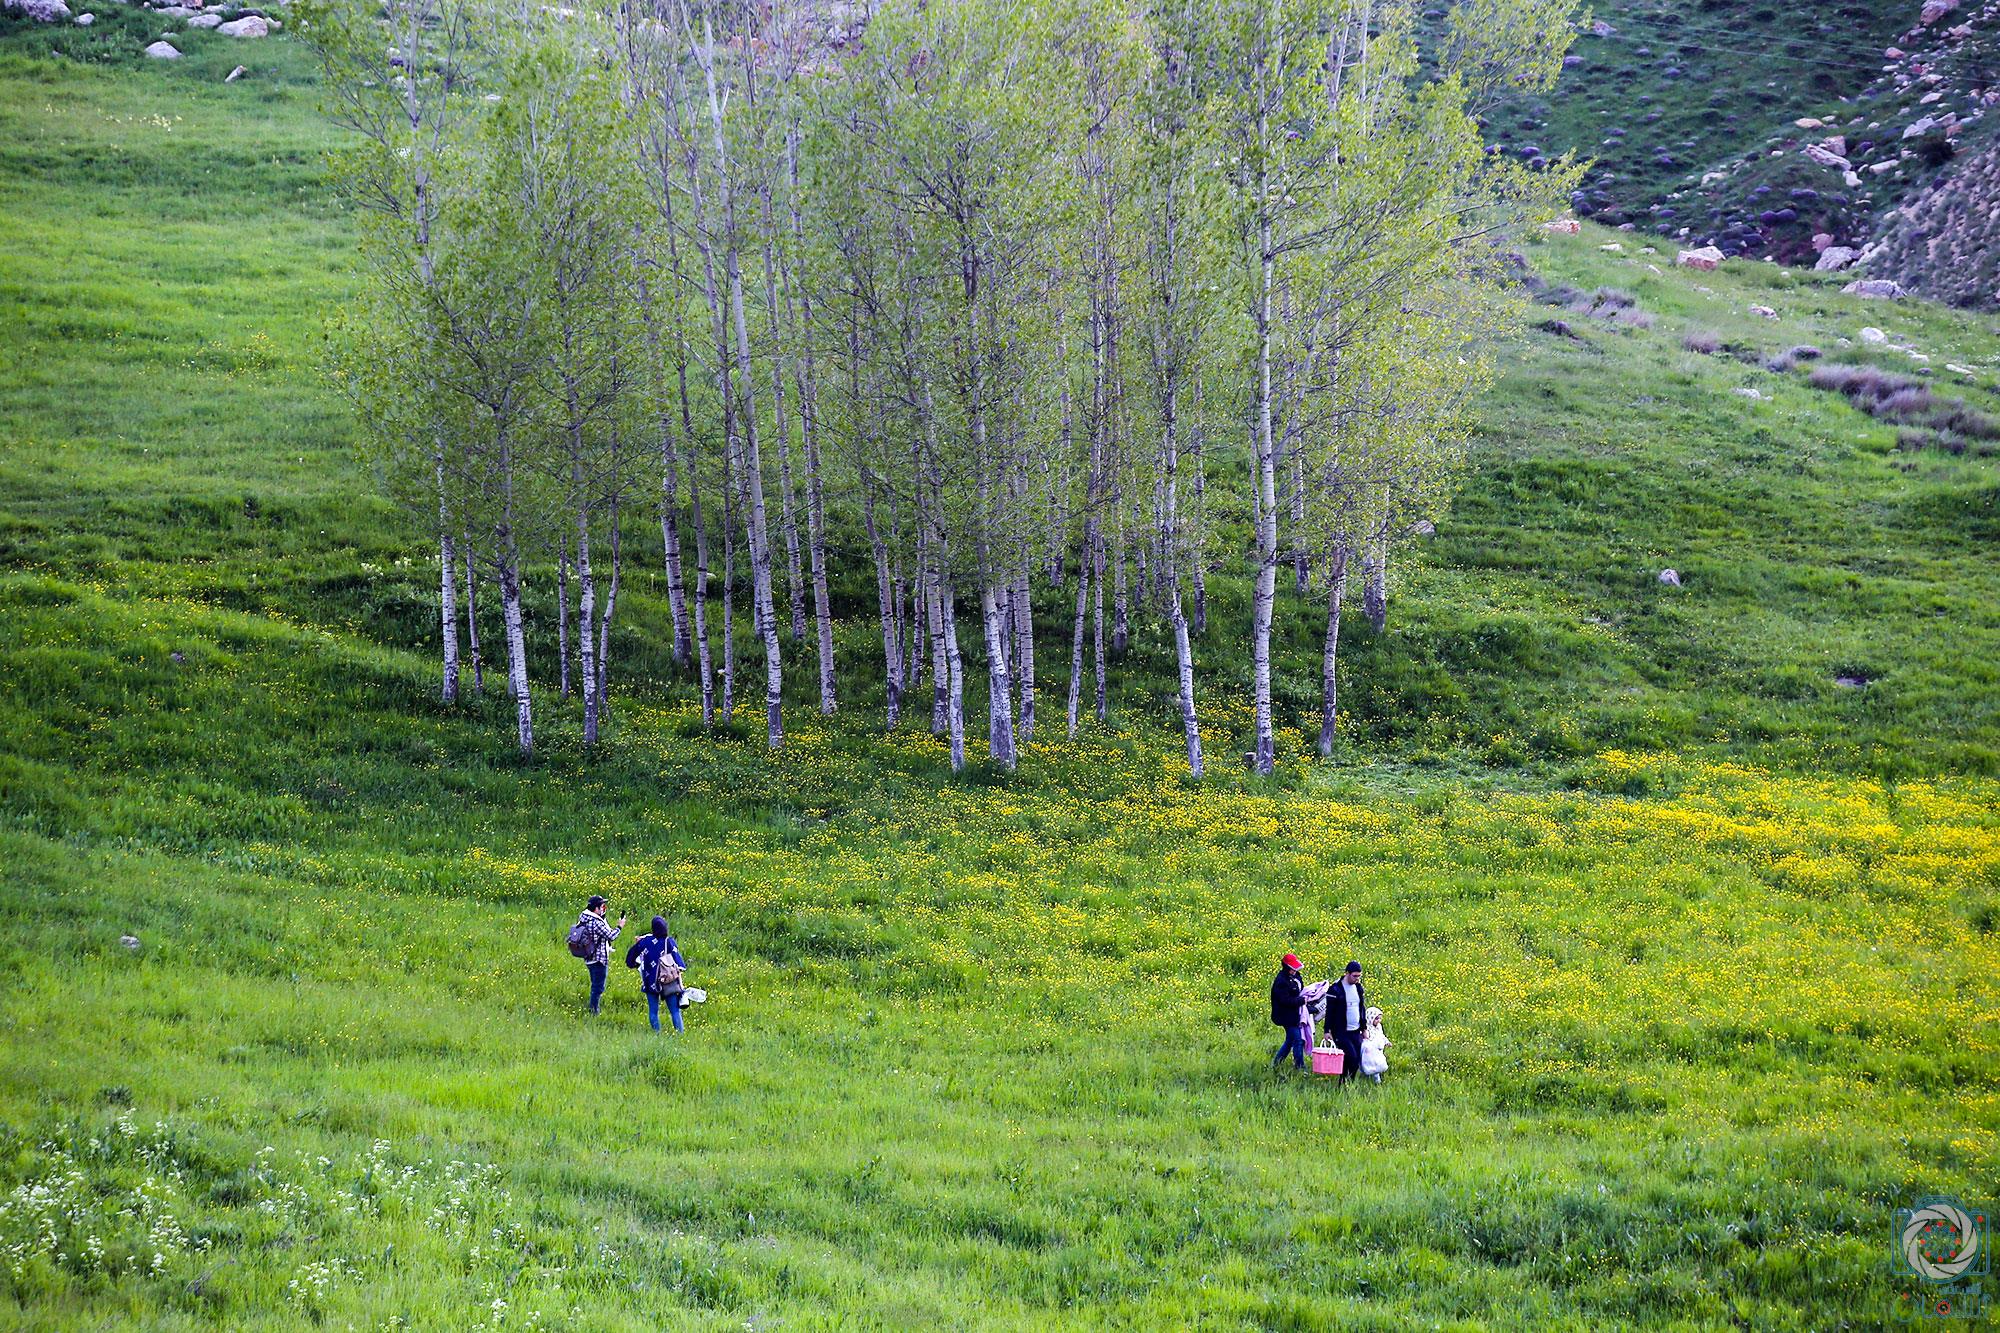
(1688, 950)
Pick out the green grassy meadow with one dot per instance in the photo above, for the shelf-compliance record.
(1688, 951)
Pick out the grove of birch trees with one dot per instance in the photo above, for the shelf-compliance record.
(1032, 319)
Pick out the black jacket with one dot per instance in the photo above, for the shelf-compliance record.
(1336, 1008)
(1286, 994)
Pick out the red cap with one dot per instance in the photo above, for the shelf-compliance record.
(1292, 961)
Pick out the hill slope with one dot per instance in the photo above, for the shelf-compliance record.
(1668, 920)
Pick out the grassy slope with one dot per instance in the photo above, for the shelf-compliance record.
(979, 1053)
(1672, 92)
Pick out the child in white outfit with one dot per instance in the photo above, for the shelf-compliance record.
(1374, 1047)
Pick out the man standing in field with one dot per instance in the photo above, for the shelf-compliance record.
(1346, 1010)
(590, 939)
(1286, 995)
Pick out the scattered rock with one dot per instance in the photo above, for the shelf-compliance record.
(1754, 396)
(1602, 29)
(1670, 577)
(1916, 129)
(1826, 157)
(1851, 680)
(1706, 257)
(85, 20)
(1804, 352)
(1821, 240)
(1566, 226)
(1808, 122)
(162, 51)
(1873, 336)
(1560, 328)
(1764, 310)
(1880, 288)
(250, 25)
(176, 657)
(1612, 246)
(205, 21)
(131, 943)
(1935, 10)
(235, 74)
(176, 12)
(1835, 257)
(1424, 528)
(41, 11)
(1962, 370)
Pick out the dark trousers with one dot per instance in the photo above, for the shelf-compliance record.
(1350, 1052)
(1295, 1045)
(596, 985)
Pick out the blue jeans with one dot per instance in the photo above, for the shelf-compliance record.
(1295, 1043)
(673, 1009)
(596, 985)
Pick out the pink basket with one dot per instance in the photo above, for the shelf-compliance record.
(1328, 1060)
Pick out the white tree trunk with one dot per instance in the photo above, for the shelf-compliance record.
(1076, 634)
(1024, 650)
(472, 619)
(447, 604)
(1329, 699)
(562, 616)
(1184, 658)
(999, 688)
(1375, 589)
(604, 620)
(1264, 756)
(586, 615)
(885, 602)
(517, 643)
(953, 674)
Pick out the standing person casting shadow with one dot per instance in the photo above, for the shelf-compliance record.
(658, 958)
(1287, 996)
(1347, 1016)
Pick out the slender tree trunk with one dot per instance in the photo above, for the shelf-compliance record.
(764, 609)
(1375, 589)
(954, 674)
(1076, 634)
(472, 618)
(562, 615)
(610, 609)
(1264, 757)
(1336, 588)
(935, 614)
(1097, 628)
(1184, 659)
(1121, 603)
(999, 687)
(447, 599)
(517, 648)
(586, 615)
(1024, 641)
(728, 592)
(1301, 556)
(1198, 547)
(809, 434)
(795, 583)
(885, 601)
(670, 500)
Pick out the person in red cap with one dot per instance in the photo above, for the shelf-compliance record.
(1287, 993)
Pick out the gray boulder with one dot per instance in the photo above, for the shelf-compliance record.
(1881, 288)
(235, 74)
(162, 50)
(250, 25)
(1670, 578)
(205, 21)
(1835, 257)
(131, 943)
(41, 11)
(85, 20)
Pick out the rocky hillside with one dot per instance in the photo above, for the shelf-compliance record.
(1857, 134)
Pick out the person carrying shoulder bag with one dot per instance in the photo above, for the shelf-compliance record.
(658, 958)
